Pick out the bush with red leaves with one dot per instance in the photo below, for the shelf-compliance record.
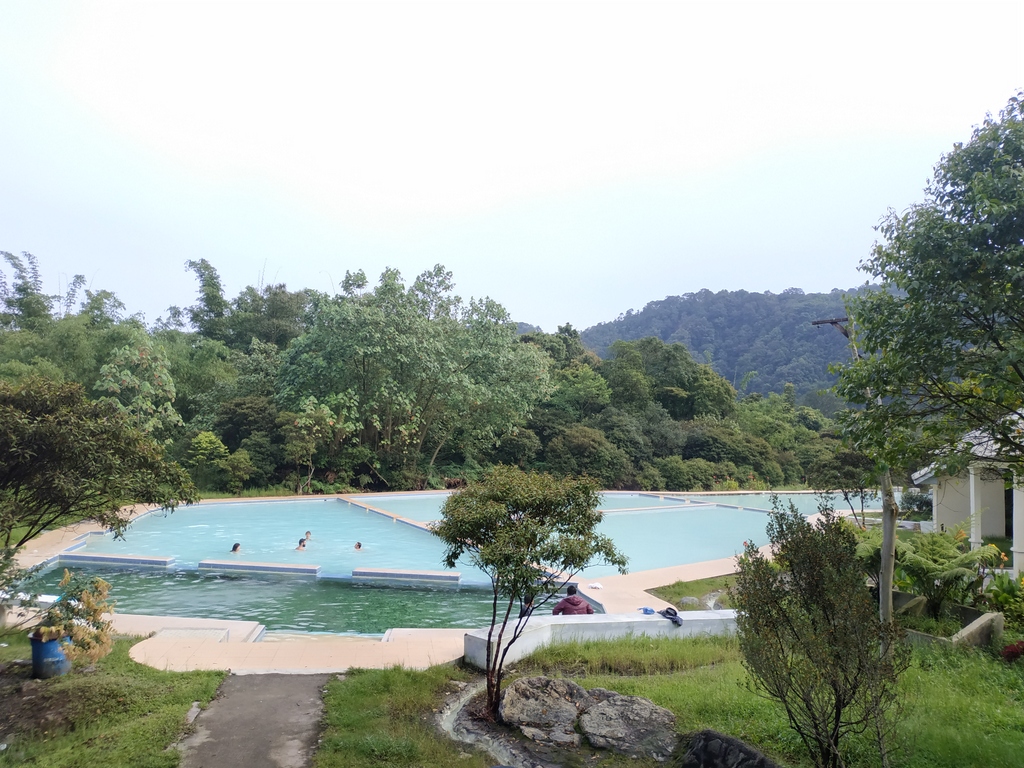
(1013, 651)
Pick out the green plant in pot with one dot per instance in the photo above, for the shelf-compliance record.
(77, 618)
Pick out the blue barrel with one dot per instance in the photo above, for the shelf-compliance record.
(48, 660)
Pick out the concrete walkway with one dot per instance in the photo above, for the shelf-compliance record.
(270, 721)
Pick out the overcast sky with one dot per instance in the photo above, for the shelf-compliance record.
(570, 160)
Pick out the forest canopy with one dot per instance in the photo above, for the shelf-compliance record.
(400, 385)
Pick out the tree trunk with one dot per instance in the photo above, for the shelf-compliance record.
(889, 512)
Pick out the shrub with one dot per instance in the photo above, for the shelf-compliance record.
(1013, 651)
(810, 634)
(78, 616)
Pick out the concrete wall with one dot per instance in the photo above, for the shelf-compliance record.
(951, 504)
(542, 631)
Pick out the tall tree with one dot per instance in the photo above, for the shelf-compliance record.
(64, 459)
(209, 315)
(424, 370)
(942, 342)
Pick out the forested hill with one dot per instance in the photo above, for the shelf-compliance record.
(740, 332)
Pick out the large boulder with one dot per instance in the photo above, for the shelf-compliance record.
(544, 709)
(631, 726)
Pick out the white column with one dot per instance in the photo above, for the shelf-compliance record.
(975, 482)
(1018, 525)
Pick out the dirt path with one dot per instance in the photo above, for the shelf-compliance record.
(258, 721)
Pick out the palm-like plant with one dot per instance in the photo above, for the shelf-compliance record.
(942, 572)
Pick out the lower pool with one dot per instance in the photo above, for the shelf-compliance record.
(286, 604)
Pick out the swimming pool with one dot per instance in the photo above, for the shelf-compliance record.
(652, 530)
(269, 531)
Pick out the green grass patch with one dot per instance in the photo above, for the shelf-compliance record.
(119, 714)
(641, 655)
(942, 627)
(697, 588)
(962, 706)
(384, 718)
(251, 493)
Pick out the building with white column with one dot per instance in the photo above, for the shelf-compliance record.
(987, 500)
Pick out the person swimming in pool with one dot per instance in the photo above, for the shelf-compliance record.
(359, 545)
(302, 546)
(309, 535)
(236, 548)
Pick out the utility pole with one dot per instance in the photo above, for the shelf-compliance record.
(889, 510)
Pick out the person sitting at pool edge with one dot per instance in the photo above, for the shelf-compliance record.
(359, 545)
(302, 545)
(572, 605)
(236, 548)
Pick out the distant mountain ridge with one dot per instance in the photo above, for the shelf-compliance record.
(740, 332)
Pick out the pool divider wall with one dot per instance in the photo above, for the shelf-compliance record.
(389, 576)
(255, 567)
(97, 559)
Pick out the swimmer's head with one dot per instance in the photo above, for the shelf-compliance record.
(236, 547)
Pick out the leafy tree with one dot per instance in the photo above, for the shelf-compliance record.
(304, 433)
(64, 459)
(579, 391)
(271, 314)
(24, 303)
(564, 348)
(531, 533)
(810, 634)
(205, 454)
(238, 468)
(688, 475)
(942, 341)
(851, 474)
(209, 315)
(582, 450)
(138, 382)
(424, 370)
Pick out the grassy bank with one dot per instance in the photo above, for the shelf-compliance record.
(385, 718)
(962, 707)
(116, 714)
(672, 593)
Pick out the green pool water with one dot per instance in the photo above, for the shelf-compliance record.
(286, 604)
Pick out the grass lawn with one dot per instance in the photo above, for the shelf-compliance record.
(385, 718)
(673, 592)
(962, 707)
(118, 714)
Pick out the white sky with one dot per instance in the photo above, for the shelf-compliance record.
(570, 160)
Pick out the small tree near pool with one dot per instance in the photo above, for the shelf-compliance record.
(531, 533)
(811, 637)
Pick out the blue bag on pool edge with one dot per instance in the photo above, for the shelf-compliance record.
(647, 611)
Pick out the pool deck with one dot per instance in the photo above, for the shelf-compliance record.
(186, 644)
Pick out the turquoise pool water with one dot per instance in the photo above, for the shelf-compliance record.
(270, 530)
(652, 531)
